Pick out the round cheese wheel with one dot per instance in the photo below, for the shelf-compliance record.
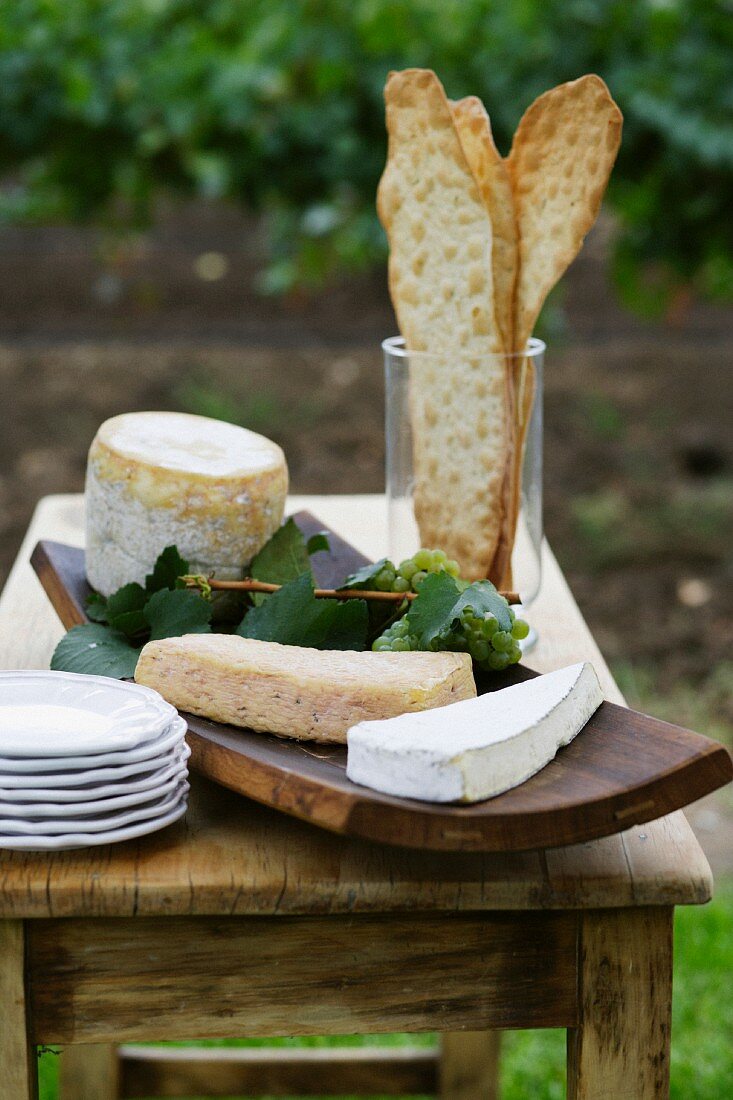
(156, 479)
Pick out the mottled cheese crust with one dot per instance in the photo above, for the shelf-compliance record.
(155, 479)
(308, 694)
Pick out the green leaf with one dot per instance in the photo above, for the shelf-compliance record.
(131, 597)
(96, 608)
(440, 602)
(293, 616)
(171, 614)
(317, 542)
(166, 571)
(434, 609)
(366, 576)
(95, 650)
(283, 558)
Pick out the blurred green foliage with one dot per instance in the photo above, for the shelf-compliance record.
(277, 104)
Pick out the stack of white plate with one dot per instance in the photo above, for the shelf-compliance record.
(86, 760)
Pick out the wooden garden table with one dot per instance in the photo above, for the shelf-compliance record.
(241, 921)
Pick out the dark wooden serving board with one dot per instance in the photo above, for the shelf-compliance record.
(623, 769)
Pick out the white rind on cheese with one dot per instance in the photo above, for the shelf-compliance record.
(475, 749)
(293, 691)
(156, 479)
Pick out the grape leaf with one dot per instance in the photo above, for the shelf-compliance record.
(131, 623)
(366, 576)
(95, 650)
(440, 601)
(293, 616)
(284, 558)
(317, 542)
(171, 614)
(96, 608)
(166, 571)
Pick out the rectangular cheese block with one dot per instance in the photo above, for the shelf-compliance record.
(476, 749)
(308, 694)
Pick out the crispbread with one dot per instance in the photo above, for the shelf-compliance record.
(559, 164)
(441, 282)
(492, 176)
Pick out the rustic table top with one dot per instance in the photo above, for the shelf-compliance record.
(230, 856)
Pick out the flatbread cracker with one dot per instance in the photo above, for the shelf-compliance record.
(442, 286)
(560, 161)
(492, 176)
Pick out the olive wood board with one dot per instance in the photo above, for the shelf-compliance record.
(623, 769)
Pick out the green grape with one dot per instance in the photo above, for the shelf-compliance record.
(480, 651)
(418, 578)
(497, 662)
(385, 580)
(520, 629)
(423, 559)
(515, 654)
(452, 567)
(489, 626)
(501, 641)
(407, 569)
(401, 645)
(400, 584)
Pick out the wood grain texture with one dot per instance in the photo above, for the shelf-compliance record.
(225, 1072)
(624, 768)
(621, 1046)
(18, 1067)
(232, 856)
(141, 979)
(469, 1065)
(89, 1071)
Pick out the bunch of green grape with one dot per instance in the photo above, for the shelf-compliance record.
(409, 574)
(478, 634)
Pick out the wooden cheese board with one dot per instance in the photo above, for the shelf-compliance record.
(625, 768)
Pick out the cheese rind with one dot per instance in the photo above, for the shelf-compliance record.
(156, 479)
(477, 749)
(292, 691)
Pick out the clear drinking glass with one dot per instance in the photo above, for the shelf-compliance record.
(404, 368)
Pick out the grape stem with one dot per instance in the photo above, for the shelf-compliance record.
(249, 584)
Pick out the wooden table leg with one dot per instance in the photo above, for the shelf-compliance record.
(89, 1071)
(469, 1065)
(621, 1045)
(18, 1062)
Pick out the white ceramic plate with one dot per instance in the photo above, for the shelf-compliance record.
(95, 823)
(61, 714)
(31, 811)
(173, 762)
(85, 840)
(144, 756)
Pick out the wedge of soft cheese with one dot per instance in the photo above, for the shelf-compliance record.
(309, 694)
(156, 479)
(476, 749)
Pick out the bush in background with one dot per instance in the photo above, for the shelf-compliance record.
(277, 105)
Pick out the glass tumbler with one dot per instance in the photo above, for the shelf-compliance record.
(404, 369)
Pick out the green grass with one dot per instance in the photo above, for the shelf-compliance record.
(533, 1063)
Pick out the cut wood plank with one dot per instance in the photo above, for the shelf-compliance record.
(620, 1048)
(624, 768)
(279, 1071)
(89, 1071)
(469, 1065)
(18, 1065)
(141, 980)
